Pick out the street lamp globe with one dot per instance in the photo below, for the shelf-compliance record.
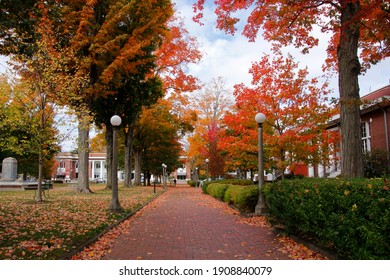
(116, 120)
(207, 160)
(260, 118)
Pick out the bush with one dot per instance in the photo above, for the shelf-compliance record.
(216, 190)
(376, 164)
(243, 197)
(191, 183)
(350, 217)
(292, 176)
(238, 182)
(226, 182)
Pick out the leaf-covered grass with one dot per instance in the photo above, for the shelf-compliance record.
(62, 223)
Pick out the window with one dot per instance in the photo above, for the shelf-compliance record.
(366, 137)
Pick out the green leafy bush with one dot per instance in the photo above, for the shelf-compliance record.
(226, 182)
(376, 164)
(350, 217)
(217, 190)
(243, 197)
(191, 183)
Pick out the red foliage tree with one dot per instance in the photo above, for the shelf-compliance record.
(354, 24)
(296, 116)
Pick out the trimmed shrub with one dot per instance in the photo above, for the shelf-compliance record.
(191, 183)
(227, 182)
(350, 217)
(238, 182)
(217, 190)
(243, 197)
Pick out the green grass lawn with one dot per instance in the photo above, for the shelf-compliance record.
(63, 222)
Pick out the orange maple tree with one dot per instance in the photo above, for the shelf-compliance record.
(354, 24)
(112, 49)
(296, 113)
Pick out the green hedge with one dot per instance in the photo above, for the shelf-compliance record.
(217, 190)
(239, 182)
(191, 183)
(350, 217)
(243, 197)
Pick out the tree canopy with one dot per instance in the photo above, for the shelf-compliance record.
(355, 25)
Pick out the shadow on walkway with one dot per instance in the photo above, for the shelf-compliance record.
(185, 224)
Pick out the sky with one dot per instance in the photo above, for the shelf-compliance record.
(231, 57)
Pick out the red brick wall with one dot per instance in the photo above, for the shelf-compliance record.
(377, 128)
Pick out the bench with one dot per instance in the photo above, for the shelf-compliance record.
(46, 186)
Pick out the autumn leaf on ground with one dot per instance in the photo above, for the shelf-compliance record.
(298, 251)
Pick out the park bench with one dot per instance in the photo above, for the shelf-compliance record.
(46, 186)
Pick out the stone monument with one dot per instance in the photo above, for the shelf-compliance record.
(9, 175)
(9, 169)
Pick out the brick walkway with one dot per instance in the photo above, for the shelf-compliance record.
(186, 224)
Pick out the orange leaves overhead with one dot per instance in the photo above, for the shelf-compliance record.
(177, 51)
(114, 40)
(291, 22)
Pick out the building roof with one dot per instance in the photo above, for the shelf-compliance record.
(373, 101)
(377, 94)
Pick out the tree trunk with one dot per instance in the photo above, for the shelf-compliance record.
(137, 167)
(38, 194)
(109, 136)
(315, 169)
(128, 153)
(83, 150)
(349, 69)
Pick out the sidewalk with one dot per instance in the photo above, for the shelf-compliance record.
(185, 224)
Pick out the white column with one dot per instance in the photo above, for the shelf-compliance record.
(93, 169)
(101, 169)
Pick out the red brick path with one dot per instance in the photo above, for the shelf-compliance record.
(186, 225)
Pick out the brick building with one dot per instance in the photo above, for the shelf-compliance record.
(375, 125)
(66, 166)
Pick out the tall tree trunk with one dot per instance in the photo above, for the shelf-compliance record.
(38, 194)
(315, 169)
(137, 167)
(109, 136)
(128, 153)
(349, 69)
(83, 150)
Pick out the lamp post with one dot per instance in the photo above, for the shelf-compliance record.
(207, 169)
(197, 176)
(260, 207)
(164, 166)
(115, 206)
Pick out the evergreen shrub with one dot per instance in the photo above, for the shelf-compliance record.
(352, 218)
(243, 197)
(217, 190)
(191, 183)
